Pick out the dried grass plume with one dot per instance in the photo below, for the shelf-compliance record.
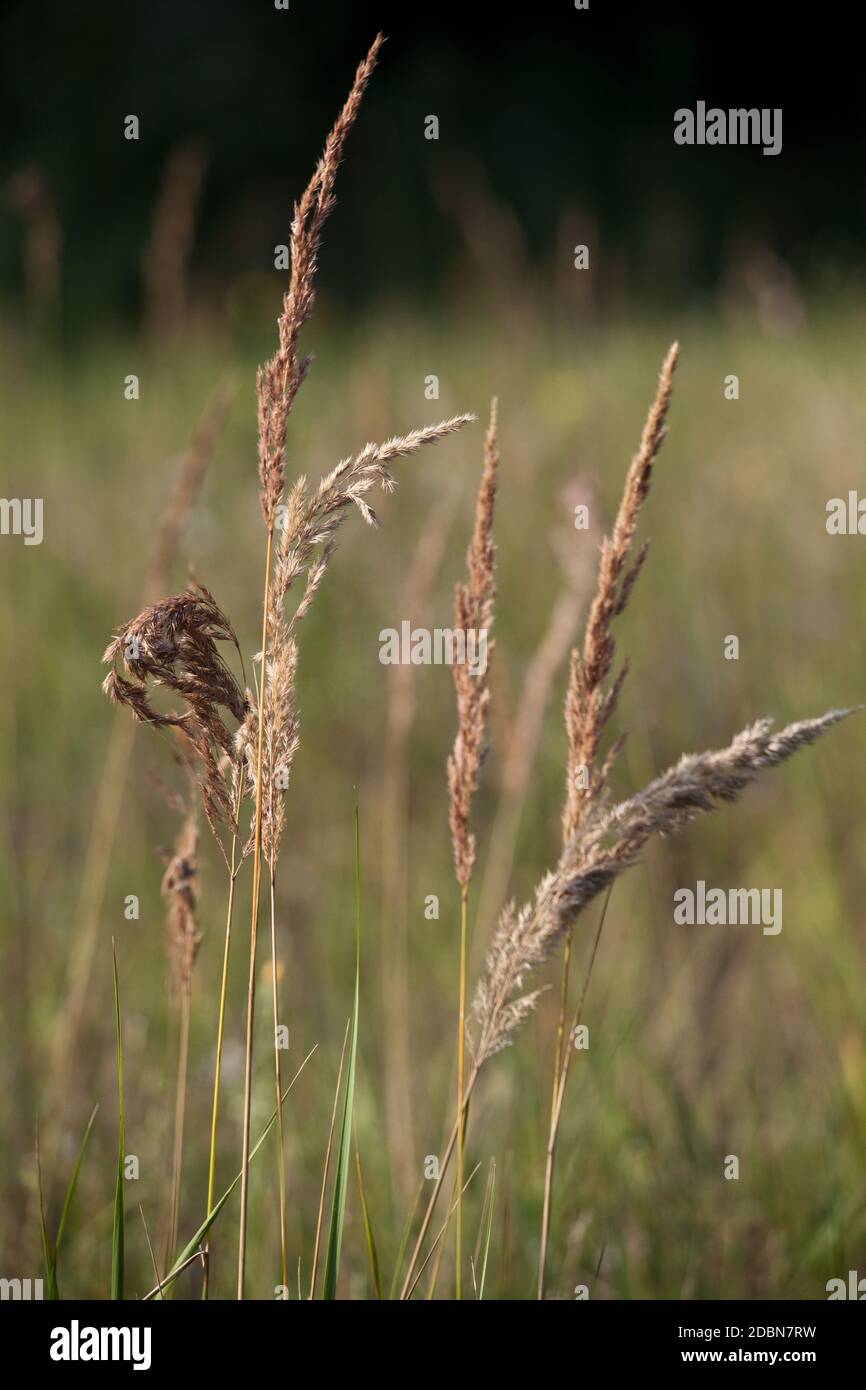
(607, 843)
(473, 613)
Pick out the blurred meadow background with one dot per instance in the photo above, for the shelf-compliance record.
(454, 259)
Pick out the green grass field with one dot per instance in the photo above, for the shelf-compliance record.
(705, 1041)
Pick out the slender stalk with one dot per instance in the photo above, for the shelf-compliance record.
(440, 1235)
(560, 1078)
(278, 1082)
(560, 1027)
(555, 1110)
(254, 923)
(461, 1087)
(474, 602)
(179, 1115)
(434, 1277)
(211, 1177)
(409, 1282)
(150, 1247)
(327, 1166)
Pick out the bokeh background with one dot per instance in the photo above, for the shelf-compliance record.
(451, 258)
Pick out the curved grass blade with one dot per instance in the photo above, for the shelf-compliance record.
(51, 1256)
(47, 1253)
(118, 1232)
(368, 1227)
(341, 1180)
(327, 1164)
(190, 1251)
(150, 1247)
(491, 1192)
(73, 1182)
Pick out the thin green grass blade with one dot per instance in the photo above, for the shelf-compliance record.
(73, 1181)
(341, 1180)
(70, 1193)
(48, 1254)
(187, 1255)
(368, 1226)
(118, 1231)
(150, 1248)
(489, 1228)
(326, 1167)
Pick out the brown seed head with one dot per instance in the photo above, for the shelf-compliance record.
(473, 613)
(591, 698)
(280, 379)
(173, 644)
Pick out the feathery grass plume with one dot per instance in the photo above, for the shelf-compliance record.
(307, 543)
(172, 643)
(280, 379)
(607, 843)
(473, 615)
(591, 700)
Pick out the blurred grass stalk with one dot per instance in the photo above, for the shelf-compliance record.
(394, 949)
(233, 871)
(109, 796)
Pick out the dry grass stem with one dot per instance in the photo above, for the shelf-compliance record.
(473, 615)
